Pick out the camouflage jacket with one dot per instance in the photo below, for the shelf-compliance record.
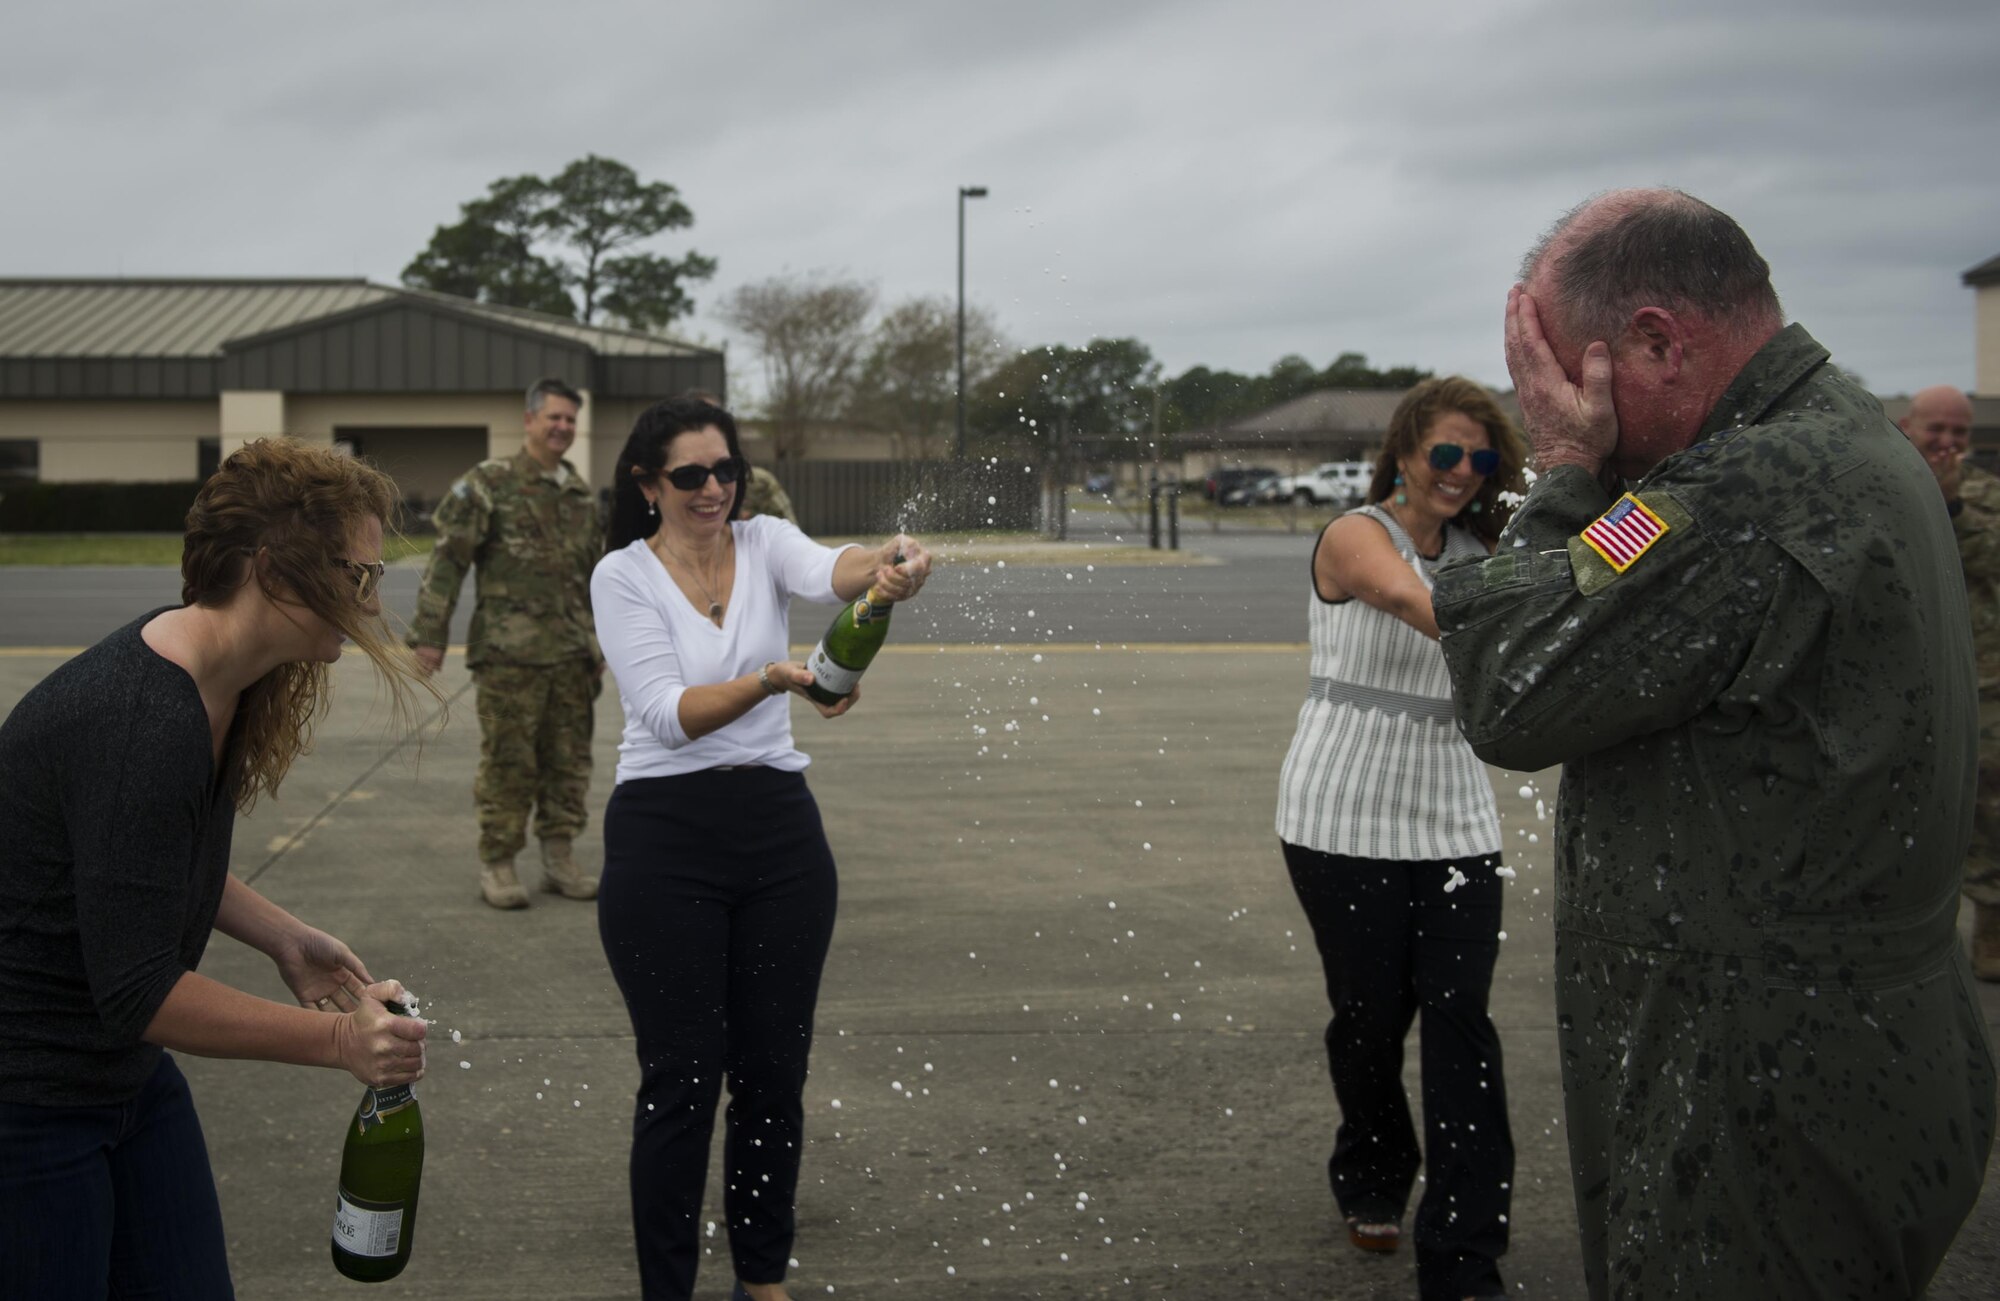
(1977, 526)
(1766, 712)
(766, 496)
(534, 545)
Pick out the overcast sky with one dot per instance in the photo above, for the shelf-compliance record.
(1226, 182)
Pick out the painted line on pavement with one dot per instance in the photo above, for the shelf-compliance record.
(922, 648)
(1084, 647)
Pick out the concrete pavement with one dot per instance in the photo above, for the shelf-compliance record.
(1069, 1043)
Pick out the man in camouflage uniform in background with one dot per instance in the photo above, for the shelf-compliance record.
(529, 525)
(1730, 608)
(766, 496)
(1939, 425)
(763, 495)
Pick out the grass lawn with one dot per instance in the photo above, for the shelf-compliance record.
(132, 548)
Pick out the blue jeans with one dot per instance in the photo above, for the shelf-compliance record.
(116, 1202)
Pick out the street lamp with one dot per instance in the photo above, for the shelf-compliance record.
(964, 192)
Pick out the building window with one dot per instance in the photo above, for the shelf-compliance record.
(20, 458)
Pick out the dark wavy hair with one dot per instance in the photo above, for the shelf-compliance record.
(645, 455)
(1484, 515)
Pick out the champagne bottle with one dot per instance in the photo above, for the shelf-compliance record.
(851, 641)
(381, 1170)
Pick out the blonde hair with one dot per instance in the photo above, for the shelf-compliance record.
(281, 511)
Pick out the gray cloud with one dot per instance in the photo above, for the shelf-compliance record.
(1228, 184)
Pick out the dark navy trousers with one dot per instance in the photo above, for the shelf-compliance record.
(1396, 938)
(115, 1201)
(716, 911)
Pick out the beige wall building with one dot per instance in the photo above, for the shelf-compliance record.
(1985, 282)
(137, 380)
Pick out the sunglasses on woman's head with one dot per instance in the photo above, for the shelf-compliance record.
(689, 478)
(1444, 456)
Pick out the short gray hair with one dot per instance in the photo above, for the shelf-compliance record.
(1655, 248)
(544, 389)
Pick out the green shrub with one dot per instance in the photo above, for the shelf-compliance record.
(95, 507)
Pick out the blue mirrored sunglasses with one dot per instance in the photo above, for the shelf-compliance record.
(1444, 456)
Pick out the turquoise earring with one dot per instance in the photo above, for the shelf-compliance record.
(1402, 498)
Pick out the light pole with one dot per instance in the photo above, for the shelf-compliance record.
(964, 192)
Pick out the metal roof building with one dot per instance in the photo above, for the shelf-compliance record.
(1324, 425)
(1984, 281)
(136, 379)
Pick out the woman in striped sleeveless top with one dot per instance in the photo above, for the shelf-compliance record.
(1393, 844)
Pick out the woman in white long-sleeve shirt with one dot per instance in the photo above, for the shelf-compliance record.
(718, 894)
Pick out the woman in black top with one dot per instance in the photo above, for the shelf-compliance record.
(120, 777)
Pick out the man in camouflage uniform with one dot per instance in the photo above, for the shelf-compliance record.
(764, 495)
(530, 526)
(1939, 425)
(1729, 608)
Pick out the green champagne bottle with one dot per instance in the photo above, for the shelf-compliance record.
(841, 657)
(381, 1170)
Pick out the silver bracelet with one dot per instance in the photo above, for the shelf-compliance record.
(764, 676)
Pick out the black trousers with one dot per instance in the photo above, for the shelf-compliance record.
(716, 910)
(1396, 938)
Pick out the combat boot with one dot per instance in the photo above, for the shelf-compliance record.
(561, 875)
(500, 887)
(1986, 940)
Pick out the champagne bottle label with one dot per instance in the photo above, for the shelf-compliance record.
(865, 610)
(378, 1105)
(830, 675)
(365, 1228)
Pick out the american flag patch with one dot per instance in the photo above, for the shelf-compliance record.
(1622, 534)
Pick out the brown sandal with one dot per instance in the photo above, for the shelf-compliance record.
(1370, 1235)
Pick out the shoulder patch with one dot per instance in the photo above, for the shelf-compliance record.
(1616, 540)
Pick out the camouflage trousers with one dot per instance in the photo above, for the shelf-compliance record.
(1982, 856)
(534, 752)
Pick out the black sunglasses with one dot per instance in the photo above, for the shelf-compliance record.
(367, 575)
(1443, 456)
(689, 478)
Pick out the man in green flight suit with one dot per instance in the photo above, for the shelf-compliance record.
(1939, 425)
(529, 525)
(1730, 608)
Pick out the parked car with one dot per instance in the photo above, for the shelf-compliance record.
(1258, 491)
(1334, 483)
(1101, 484)
(1222, 479)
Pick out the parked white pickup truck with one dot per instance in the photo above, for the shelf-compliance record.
(1335, 483)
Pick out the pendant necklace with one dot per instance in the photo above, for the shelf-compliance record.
(714, 606)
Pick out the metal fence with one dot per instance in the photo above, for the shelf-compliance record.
(865, 498)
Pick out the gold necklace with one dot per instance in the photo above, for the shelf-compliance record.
(714, 606)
